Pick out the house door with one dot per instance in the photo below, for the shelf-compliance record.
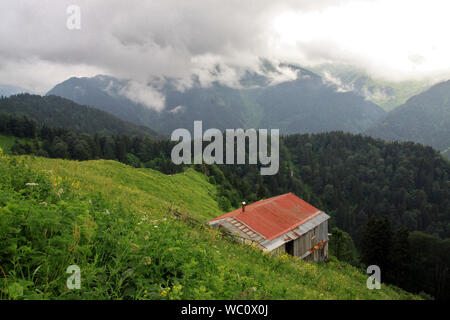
(290, 247)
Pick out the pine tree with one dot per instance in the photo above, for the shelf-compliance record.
(376, 244)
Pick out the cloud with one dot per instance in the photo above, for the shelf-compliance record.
(218, 40)
(38, 75)
(340, 87)
(282, 74)
(177, 109)
(144, 94)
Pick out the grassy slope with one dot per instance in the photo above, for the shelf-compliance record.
(145, 190)
(217, 268)
(6, 142)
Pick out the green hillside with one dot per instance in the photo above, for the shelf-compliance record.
(6, 143)
(112, 221)
(424, 118)
(58, 112)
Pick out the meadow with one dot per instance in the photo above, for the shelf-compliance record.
(113, 222)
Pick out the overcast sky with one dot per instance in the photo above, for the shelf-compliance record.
(137, 39)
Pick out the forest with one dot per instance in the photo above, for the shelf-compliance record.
(55, 111)
(389, 202)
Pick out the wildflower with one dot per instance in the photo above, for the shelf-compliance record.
(32, 184)
(75, 184)
(156, 227)
(148, 261)
(163, 293)
(107, 211)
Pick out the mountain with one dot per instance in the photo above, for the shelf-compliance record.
(303, 105)
(306, 105)
(424, 118)
(8, 90)
(55, 111)
(386, 94)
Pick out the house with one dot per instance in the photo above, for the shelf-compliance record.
(282, 224)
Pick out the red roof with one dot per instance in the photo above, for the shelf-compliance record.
(274, 216)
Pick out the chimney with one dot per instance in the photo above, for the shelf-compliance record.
(243, 206)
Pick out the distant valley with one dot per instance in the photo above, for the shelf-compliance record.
(386, 94)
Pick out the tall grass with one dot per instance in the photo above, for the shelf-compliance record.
(112, 221)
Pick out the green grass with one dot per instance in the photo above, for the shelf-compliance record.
(112, 221)
(6, 142)
(142, 190)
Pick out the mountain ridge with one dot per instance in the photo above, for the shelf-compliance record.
(56, 111)
(424, 118)
(307, 104)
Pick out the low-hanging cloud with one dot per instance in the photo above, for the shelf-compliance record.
(216, 40)
(144, 94)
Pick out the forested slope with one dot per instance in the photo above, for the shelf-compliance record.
(55, 111)
(424, 118)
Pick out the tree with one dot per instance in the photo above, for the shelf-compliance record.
(342, 246)
(59, 149)
(376, 244)
(108, 148)
(400, 258)
(80, 150)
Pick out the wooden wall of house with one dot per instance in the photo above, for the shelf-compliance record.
(280, 250)
(308, 241)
